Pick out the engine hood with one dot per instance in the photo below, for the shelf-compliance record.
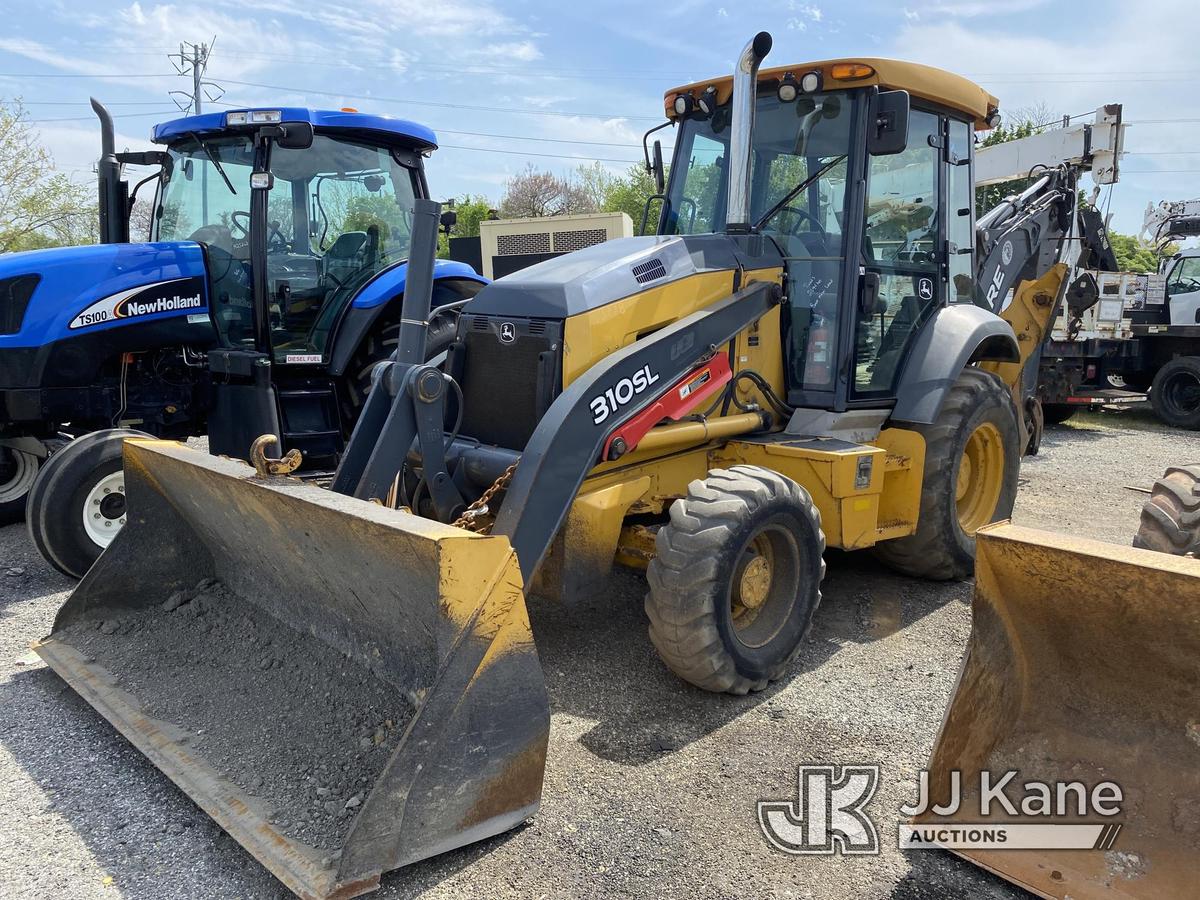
(83, 290)
(605, 273)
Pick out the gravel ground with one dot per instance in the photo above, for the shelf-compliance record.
(650, 786)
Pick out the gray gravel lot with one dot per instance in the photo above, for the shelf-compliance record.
(651, 785)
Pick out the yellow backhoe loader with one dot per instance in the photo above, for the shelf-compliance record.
(804, 357)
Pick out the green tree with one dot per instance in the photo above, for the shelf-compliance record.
(989, 195)
(1135, 255)
(629, 193)
(39, 207)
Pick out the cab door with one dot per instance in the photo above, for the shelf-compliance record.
(1183, 291)
(919, 240)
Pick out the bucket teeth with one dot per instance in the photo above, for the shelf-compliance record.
(344, 688)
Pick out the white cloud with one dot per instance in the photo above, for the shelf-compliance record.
(795, 24)
(722, 12)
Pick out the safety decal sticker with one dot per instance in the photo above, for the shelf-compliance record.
(177, 295)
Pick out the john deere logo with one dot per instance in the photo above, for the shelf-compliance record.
(925, 288)
(508, 332)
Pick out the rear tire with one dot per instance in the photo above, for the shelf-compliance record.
(85, 477)
(736, 579)
(18, 471)
(972, 460)
(1171, 517)
(1175, 394)
(1057, 413)
(379, 346)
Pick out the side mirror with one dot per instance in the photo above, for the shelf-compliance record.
(887, 123)
(657, 169)
(449, 220)
(296, 136)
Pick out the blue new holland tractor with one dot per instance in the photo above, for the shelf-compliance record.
(270, 289)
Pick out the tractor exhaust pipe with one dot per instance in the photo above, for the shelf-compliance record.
(745, 90)
(114, 214)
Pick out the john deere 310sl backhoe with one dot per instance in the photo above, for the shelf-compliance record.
(796, 362)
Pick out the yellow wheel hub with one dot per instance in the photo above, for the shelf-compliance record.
(980, 478)
(752, 583)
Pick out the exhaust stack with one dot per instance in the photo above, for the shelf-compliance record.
(745, 91)
(114, 215)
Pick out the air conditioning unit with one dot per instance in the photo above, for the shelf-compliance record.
(509, 245)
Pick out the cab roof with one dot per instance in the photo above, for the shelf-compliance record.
(385, 129)
(928, 83)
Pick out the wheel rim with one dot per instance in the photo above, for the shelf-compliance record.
(104, 509)
(1181, 390)
(980, 478)
(17, 473)
(762, 590)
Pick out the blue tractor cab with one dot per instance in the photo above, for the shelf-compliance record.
(269, 289)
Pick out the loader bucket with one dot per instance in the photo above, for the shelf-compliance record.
(1083, 665)
(345, 688)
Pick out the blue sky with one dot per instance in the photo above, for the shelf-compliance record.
(568, 83)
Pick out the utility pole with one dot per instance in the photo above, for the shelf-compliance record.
(192, 60)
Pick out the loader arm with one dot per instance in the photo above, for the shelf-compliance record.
(569, 439)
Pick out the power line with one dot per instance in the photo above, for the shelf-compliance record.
(25, 102)
(582, 159)
(404, 100)
(158, 112)
(86, 75)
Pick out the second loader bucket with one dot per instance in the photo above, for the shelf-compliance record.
(1083, 666)
(345, 688)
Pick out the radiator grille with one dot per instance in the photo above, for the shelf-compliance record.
(506, 384)
(519, 244)
(567, 241)
(15, 294)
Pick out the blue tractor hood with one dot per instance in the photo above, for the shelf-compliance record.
(83, 290)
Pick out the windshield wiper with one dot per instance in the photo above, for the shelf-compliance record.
(213, 159)
(791, 195)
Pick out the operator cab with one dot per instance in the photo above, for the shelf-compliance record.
(339, 212)
(875, 233)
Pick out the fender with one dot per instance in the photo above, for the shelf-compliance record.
(956, 336)
(383, 293)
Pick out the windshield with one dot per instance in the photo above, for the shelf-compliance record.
(339, 212)
(798, 196)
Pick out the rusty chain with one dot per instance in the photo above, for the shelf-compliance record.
(479, 508)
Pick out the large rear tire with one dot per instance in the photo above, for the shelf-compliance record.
(736, 579)
(972, 460)
(1171, 517)
(1175, 394)
(77, 504)
(379, 346)
(18, 471)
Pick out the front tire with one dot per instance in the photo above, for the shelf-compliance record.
(1171, 517)
(736, 579)
(77, 504)
(972, 460)
(1175, 394)
(18, 471)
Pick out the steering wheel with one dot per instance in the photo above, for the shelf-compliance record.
(804, 215)
(275, 238)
